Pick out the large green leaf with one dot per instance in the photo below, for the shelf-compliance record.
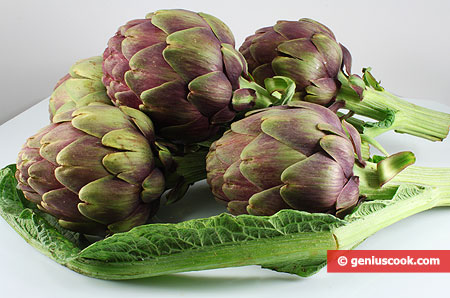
(36, 227)
(290, 241)
(219, 241)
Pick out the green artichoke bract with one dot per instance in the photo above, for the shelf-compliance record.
(94, 170)
(286, 157)
(299, 156)
(308, 53)
(180, 68)
(80, 87)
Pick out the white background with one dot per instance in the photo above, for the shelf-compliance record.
(406, 42)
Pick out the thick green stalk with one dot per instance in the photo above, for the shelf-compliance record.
(356, 231)
(409, 118)
(303, 246)
(432, 189)
(424, 176)
(192, 166)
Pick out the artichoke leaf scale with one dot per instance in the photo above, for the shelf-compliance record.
(149, 69)
(175, 20)
(236, 186)
(62, 203)
(153, 186)
(330, 51)
(221, 31)
(297, 131)
(139, 37)
(97, 120)
(229, 147)
(108, 199)
(266, 202)
(303, 49)
(126, 140)
(210, 93)
(302, 72)
(142, 122)
(75, 177)
(132, 167)
(85, 151)
(160, 102)
(234, 64)
(193, 52)
(341, 150)
(313, 184)
(57, 139)
(78, 88)
(90, 68)
(41, 177)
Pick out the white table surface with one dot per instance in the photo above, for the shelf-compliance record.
(24, 272)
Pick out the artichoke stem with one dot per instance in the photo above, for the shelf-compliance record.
(409, 118)
(191, 167)
(369, 184)
(436, 193)
(353, 233)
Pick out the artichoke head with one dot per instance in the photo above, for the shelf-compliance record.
(180, 68)
(298, 157)
(94, 170)
(305, 51)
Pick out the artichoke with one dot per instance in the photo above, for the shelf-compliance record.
(308, 53)
(80, 87)
(180, 68)
(94, 170)
(304, 50)
(299, 156)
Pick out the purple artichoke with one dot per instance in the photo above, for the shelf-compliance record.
(299, 156)
(308, 53)
(180, 68)
(94, 171)
(305, 51)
